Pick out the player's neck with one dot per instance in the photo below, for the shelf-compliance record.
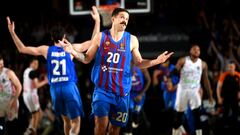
(193, 59)
(57, 44)
(116, 35)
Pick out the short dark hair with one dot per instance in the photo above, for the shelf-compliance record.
(33, 59)
(57, 33)
(231, 62)
(116, 11)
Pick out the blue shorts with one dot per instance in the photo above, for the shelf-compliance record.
(108, 104)
(66, 100)
(169, 99)
(136, 107)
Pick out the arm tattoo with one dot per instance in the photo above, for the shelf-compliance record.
(81, 56)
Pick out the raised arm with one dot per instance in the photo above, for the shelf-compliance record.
(81, 47)
(36, 51)
(83, 57)
(96, 17)
(145, 63)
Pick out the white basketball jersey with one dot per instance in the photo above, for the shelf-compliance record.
(190, 75)
(27, 81)
(6, 88)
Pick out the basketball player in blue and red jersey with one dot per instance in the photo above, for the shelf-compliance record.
(62, 77)
(141, 81)
(113, 50)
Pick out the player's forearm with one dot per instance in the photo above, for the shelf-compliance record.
(82, 57)
(145, 63)
(96, 28)
(146, 87)
(82, 47)
(20, 46)
(218, 93)
(18, 88)
(208, 87)
(40, 84)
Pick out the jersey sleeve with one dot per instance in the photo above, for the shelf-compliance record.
(222, 76)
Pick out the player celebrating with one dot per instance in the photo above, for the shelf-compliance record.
(113, 50)
(61, 74)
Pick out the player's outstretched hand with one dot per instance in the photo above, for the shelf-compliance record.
(163, 57)
(95, 14)
(67, 46)
(11, 25)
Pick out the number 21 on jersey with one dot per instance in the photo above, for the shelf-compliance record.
(57, 65)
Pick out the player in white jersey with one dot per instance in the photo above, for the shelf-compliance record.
(10, 89)
(31, 84)
(192, 70)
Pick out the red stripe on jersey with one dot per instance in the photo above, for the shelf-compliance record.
(121, 75)
(114, 79)
(106, 85)
(101, 72)
(107, 78)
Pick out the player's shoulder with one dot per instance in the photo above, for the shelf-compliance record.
(133, 37)
(44, 46)
(182, 59)
(204, 63)
(9, 71)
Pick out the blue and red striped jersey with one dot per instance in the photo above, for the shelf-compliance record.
(111, 70)
(137, 79)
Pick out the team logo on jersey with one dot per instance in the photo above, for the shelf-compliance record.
(104, 68)
(3, 80)
(198, 68)
(122, 47)
(107, 43)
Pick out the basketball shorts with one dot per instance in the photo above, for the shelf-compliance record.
(108, 104)
(31, 100)
(66, 100)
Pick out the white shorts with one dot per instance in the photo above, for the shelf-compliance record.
(31, 100)
(187, 97)
(5, 110)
